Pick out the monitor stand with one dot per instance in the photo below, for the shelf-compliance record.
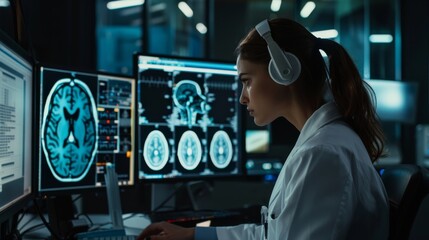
(115, 209)
(61, 217)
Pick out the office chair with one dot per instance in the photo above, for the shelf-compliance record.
(403, 186)
(420, 228)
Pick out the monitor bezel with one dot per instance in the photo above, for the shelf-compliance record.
(9, 212)
(67, 191)
(240, 140)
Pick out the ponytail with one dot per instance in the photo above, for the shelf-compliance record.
(353, 97)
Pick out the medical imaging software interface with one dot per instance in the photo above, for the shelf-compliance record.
(188, 114)
(85, 123)
(16, 79)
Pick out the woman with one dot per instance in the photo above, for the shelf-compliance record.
(328, 187)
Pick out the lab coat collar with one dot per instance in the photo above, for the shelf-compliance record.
(322, 116)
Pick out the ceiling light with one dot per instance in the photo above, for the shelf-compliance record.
(201, 28)
(275, 5)
(124, 4)
(158, 7)
(330, 33)
(184, 7)
(380, 38)
(307, 9)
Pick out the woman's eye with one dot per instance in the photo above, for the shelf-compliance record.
(244, 81)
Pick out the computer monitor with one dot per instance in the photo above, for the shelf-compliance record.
(85, 123)
(16, 118)
(396, 101)
(188, 118)
(276, 141)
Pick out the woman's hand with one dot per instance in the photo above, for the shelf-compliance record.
(166, 231)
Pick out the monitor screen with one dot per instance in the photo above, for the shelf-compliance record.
(85, 123)
(395, 100)
(188, 118)
(16, 105)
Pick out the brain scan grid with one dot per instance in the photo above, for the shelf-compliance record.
(188, 114)
(86, 122)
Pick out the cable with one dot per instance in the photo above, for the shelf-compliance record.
(25, 224)
(32, 228)
(22, 215)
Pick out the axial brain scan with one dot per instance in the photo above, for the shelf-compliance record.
(189, 150)
(69, 130)
(221, 149)
(156, 150)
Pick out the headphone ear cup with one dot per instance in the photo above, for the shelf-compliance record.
(293, 72)
(295, 66)
(274, 74)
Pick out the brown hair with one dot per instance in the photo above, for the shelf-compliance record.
(352, 95)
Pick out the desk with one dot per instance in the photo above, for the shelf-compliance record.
(133, 223)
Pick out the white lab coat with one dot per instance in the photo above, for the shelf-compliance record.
(327, 188)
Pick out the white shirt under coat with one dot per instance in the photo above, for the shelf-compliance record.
(327, 189)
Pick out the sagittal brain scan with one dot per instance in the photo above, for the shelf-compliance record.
(188, 118)
(86, 121)
(190, 101)
(69, 132)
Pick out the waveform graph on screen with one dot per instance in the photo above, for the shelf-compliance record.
(189, 110)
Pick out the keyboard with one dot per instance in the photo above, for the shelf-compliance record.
(183, 216)
(127, 237)
(108, 234)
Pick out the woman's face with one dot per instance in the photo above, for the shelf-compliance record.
(265, 99)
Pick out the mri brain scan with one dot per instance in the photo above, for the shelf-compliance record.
(189, 150)
(156, 150)
(187, 96)
(221, 149)
(69, 130)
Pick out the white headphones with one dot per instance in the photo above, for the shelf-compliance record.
(284, 67)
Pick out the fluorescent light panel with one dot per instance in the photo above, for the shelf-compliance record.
(275, 5)
(184, 7)
(380, 38)
(201, 28)
(4, 3)
(158, 7)
(307, 9)
(124, 4)
(330, 33)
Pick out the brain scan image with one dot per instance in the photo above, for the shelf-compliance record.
(188, 97)
(156, 150)
(189, 150)
(69, 130)
(221, 149)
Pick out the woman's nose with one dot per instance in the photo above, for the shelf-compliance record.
(243, 98)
